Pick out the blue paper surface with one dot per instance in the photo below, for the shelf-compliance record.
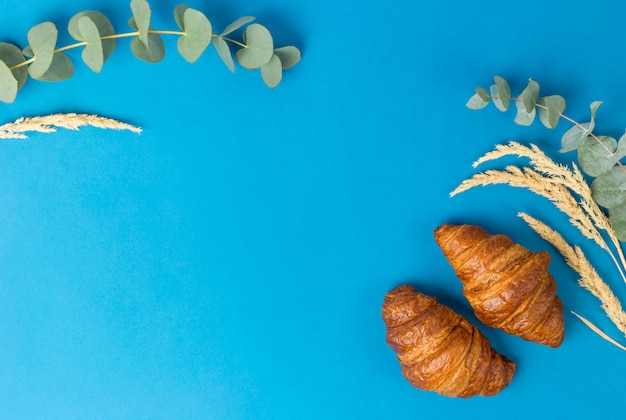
(231, 261)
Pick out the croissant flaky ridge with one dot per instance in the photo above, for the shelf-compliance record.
(507, 285)
(440, 350)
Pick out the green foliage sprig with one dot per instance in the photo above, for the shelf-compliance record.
(43, 60)
(599, 156)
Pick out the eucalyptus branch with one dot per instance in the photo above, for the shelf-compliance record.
(610, 153)
(599, 156)
(121, 36)
(41, 59)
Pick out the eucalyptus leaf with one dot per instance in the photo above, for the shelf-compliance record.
(476, 102)
(11, 55)
(93, 54)
(105, 29)
(482, 92)
(223, 50)
(179, 11)
(289, 56)
(198, 34)
(529, 96)
(272, 72)
(497, 101)
(574, 137)
(151, 53)
(550, 110)
(617, 218)
(594, 109)
(609, 189)
(620, 152)
(259, 47)
(141, 15)
(237, 24)
(594, 155)
(42, 40)
(504, 91)
(60, 69)
(523, 117)
(8, 84)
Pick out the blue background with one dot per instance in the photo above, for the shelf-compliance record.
(231, 261)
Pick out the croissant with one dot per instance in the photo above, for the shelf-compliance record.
(440, 350)
(507, 285)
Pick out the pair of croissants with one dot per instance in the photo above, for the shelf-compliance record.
(508, 287)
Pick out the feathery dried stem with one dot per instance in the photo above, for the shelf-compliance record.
(561, 185)
(572, 179)
(50, 123)
(556, 183)
(589, 277)
(598, 331)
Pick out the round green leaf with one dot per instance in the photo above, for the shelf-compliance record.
(504, 91)
(105, 29)
(523, 117)
(272, 72)
(551, 109)
(617, 217)
(60, 69)
(493, 90)
(479, 100)
(620, 151)
(223, 50)
(151, 53)
(42, 40)
(594, 156)
(482, 92)
(8, 84)
(179, 12)
(237, 24)
(529, 96)
(574, 137)
(198, 34)
(141, 15)
(289, 56)
(609, 189)
(259, 47)
(476, 102)
(12, 56)
(93, 54)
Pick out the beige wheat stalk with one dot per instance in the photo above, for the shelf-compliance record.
(50, 123)
(556, 183)
(561, 185)
(571, 179)
(589, 277)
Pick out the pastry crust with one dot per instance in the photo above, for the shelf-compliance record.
(508, 286)
(440, 350)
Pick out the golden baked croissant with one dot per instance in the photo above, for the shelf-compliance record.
(508, 286)
(440, 350)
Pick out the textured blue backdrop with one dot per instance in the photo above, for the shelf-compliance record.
(231, 261)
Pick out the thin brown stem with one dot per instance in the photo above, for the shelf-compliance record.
(579, 125)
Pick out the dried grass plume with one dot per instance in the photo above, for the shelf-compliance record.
(50, 124)
(567, 189)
